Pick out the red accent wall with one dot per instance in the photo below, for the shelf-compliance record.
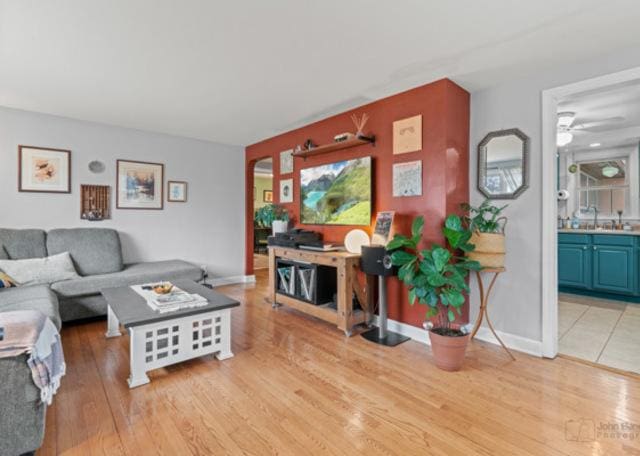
(445, 169)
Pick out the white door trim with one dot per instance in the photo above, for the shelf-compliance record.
(550, 100)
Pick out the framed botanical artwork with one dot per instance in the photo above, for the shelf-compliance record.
(45, 170)
(286, 161)
(407, 135)
(407, 178)
(267, 196)
(139, 185)
(177, 192)
(286, 191)
(383, 230)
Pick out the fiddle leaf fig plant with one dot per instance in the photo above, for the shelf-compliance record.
(435, 277)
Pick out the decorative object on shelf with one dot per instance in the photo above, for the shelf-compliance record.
(343, 137)
(274, 217)
(309, 145)
(383, 229)
(286, 191)
(336, 193)
(407, 178)
(359, 123)
(355, 240)
(407, 135)
(436, 278)
(286, 161)
(267, 196)
(94, 202)
(487, 227)
(139, 185)
(573, 168)
(503, 170)
(177, 191)
(96, 167)
(44, 170)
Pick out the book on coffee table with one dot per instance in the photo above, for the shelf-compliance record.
(177, 299)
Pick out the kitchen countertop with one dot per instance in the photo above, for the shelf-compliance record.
(583, 231)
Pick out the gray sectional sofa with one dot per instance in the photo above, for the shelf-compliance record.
(97, 257)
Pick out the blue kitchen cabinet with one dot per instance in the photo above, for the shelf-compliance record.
(574, 265)
(600, 264)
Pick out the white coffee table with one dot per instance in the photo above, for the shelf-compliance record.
(161, 339)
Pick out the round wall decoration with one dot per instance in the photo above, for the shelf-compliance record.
(96, 167)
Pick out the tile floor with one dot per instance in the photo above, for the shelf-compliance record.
(601, 331)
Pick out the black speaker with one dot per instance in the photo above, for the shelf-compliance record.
(376, 260)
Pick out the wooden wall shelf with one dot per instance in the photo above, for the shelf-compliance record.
(337, 145)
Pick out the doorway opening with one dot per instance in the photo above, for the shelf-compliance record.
(591, 221)
(262, 196)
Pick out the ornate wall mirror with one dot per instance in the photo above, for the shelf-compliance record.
(503, 164)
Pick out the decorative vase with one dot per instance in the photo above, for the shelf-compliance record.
(280, 226)
(489, 251)
(449, 351)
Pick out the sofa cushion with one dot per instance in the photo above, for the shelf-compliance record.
(93, 250)
(133, 274)
(21, 244)
(35, 297)
(34, 271)
(3, 253)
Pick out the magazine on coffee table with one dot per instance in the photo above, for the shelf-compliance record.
(177, 299)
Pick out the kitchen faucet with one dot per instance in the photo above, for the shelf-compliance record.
(595, 216)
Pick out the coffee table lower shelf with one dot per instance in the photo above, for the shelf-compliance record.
(171, 341)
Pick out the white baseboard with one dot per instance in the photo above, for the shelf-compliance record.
(219, 281)
(517, 343)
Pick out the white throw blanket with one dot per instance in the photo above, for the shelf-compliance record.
(29, 331)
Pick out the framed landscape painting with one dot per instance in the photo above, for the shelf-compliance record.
(45, 170)
(139, 185)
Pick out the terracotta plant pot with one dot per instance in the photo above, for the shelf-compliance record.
(449, 351)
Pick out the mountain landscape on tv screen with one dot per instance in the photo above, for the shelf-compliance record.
(337, 193)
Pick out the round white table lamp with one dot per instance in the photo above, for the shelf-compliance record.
(355, 239)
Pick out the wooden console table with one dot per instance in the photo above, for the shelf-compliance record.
(347, 266)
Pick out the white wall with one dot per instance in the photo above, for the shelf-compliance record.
(516, 306)
(207, 230)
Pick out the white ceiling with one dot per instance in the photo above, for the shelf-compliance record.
(240, 71)
(611, 115)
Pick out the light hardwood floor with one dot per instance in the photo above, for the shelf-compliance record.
(297, 386)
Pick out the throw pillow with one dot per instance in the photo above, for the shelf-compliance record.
(6, 281)
(46, 270)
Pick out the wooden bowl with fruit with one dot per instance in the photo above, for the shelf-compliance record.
(163, 288)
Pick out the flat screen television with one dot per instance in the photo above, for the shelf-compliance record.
(337, 193)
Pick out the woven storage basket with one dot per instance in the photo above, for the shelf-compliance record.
(490, 249)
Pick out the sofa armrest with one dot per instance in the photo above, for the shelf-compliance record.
(23, 413)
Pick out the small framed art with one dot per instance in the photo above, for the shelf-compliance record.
(177, 191)
(45, 170)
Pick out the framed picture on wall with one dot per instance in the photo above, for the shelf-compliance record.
(407, 178)
(286, 161)
(44, 170)
(139, 185)
(286, 191)
(407, 135)
(267, 196)
(177, 192)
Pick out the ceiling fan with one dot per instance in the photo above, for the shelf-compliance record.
(567, 127)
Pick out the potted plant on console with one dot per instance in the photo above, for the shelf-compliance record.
(487, 227)
(274, 217)
(436, 277)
